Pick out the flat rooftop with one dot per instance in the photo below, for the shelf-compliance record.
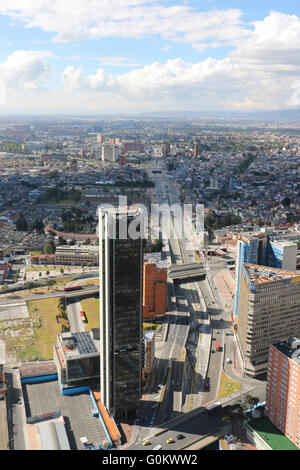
(121, 211)
(262, 274)
(271, 435)
(41, 398)
(78, 344)
(290, 348)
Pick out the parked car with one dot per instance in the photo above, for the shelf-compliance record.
(170, 440)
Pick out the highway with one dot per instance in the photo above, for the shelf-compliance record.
(179, 373)
(194, 428)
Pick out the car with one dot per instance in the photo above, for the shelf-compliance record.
(170, 440)
(181, 436)
(212, 350)
(158, 447)
(146, 442)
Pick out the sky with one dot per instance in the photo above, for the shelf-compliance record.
(136, 56)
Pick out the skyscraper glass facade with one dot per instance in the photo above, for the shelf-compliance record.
(121, 263)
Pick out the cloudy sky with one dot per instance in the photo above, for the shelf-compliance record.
(111, 56)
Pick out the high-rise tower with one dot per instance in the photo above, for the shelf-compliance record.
(269, 311)
(120, 295)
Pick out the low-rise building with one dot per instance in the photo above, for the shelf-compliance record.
(77, 255)
(42, 259)
(76, 356)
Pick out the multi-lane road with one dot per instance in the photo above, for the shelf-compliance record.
(183, 358)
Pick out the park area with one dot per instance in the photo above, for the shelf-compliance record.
(227, 386)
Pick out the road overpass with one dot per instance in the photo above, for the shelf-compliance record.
(187, 270)
(85, 291)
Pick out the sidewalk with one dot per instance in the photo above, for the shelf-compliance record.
(4, 439)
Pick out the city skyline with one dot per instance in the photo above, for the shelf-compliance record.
(148, 56)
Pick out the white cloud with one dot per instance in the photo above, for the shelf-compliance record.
(75, 20)
(111, 61)
(259, 73)
(275, 41)
(25, 70)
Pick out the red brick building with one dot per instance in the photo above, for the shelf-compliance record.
(4, 270)
(154, 291)
(283, 388)
(42, 259)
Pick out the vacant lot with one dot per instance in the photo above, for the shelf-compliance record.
(44, 336)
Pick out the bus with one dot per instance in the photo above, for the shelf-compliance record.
(70, 288)
(213, 407)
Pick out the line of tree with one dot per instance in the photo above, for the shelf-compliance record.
(246, 163)
(74, 222)
(24, 226)
(213, 221)
(57, 194)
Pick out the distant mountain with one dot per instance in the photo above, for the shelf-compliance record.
(271, 115)
(285, 114)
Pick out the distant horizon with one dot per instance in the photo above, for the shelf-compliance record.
(290, 115)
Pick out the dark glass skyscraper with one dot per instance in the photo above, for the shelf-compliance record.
(120, 293)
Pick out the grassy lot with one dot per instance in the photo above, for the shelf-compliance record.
(90, 282)
(45, 334)
(227, 386)
(269, 433)
(62, 281)
(151, 326)
(91, 308)
(42, 268)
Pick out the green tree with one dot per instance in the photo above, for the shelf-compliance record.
(49, 248)
(38, 225)
(21, 224)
